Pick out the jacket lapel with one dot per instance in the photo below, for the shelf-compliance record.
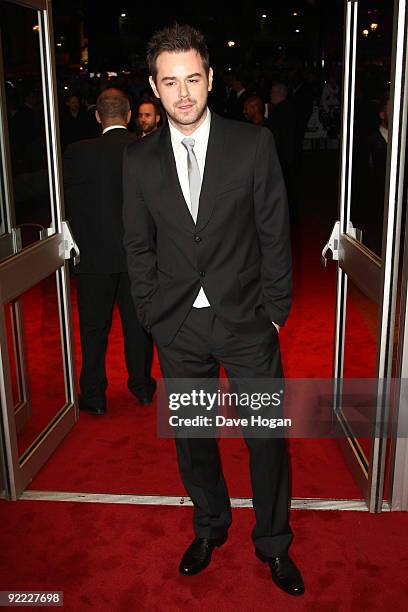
(212, 171)
(174, 195)
(210, 182)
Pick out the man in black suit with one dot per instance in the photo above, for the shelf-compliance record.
(148, 117)
(211, 278)
(282, 122)
(238, 93)
(93, 197)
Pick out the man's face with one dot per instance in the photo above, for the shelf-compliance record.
(276, 95)
(73, 104)
(385, 114)
(148, 119)
(182, 85)
(250, 109)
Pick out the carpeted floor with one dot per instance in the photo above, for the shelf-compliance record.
(125, 558)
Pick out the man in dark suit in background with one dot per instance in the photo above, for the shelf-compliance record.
(148, 117)
(254, 111)
(238, 93)
(282, 123)
(206, 234)
(93, 198)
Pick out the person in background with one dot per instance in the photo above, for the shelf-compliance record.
(92, 128)
(282, 123)
(254, 111)
(93, 198)
(148, 117)
(302, 96)
(74, 125)
(237, 95)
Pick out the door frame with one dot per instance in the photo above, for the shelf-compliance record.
(28, 267)
(377, 278)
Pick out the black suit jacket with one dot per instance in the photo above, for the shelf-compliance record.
(239, 249)
(282, 122)
(235, 105)
(93, 200)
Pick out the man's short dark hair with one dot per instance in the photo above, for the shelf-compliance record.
(281, 86)
(258, 100)
(176, 39)
(382, 105)
(112, 103)
(151, 101)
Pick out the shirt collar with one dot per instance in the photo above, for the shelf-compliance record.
(199, 134)
(114, 127)
(384, 133)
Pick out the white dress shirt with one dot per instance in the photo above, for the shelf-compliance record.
(384, 132)
(114, 127)
(180, 155)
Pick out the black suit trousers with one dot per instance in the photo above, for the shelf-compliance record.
(201, 345)
(97, 295)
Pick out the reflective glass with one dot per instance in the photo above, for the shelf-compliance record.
(20, 38)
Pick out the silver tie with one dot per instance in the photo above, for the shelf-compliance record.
(194, 177)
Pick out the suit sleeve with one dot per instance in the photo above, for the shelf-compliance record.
(272, 219)
(139, 242)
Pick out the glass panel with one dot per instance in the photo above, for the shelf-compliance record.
(43, 348)
(25, 117)
(371, 119)
(360, 344)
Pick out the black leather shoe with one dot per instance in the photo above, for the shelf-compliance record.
(198, 555)
(83, 405)
(285, 574)
(145, 396)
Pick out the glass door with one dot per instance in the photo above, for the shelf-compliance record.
(37, 382)
(371, 184)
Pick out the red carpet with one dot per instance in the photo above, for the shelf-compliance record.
(124, 558)
(114, 557)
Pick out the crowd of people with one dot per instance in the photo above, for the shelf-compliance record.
(283, 103)
(281, 99)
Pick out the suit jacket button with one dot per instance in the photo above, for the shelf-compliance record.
(148, 328)
(197, 238)
(202, 273)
